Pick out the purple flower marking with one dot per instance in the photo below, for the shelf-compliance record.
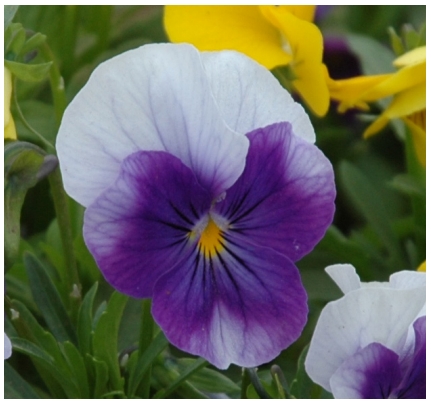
(206, 210)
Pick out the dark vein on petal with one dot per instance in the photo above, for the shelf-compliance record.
(181, 214)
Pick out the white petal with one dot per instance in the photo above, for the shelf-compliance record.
(156, 97)
(344, 275)
(359, 318)
(7, 347)
(250, 97)
(406, 279)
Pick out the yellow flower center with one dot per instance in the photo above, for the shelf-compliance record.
(210, 241)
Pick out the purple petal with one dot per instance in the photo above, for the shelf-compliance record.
(413, 385)
(372, 373)
(243, 305)
(285, 197)
(138, 228)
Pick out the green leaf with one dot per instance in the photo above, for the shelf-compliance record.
(208, 380)
(33, 42)
(22, 165)
(9, 13)
(409, 185)
(366, 198)
(29, 72)
(194, 366)
(374, 57)
(105, 339)
(48, 300)
(155, 348)
(16, 387)
(85, 320)
(99, 375)
(47, 362)
(77, 367)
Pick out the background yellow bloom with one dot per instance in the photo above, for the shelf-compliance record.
(9, 125)
(408, 88)
(272, 35)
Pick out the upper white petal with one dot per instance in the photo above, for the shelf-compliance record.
(344, 275)
(156, 97)
(250, 97)
(7, 347)
(359, 318)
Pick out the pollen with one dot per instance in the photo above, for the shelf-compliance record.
(210, 240)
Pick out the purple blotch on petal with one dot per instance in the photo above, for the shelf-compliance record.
(285, 197)
(137, 228)
(413, 385)
(372, 373)
(243, 306)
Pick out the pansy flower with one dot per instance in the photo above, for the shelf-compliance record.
(371, 343)
(274, 36)
(202, 187)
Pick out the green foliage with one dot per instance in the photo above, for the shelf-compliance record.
(72, 335)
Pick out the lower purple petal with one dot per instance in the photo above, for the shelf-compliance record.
(372, 373)
(413, 385)
(285, 197)
(243, 305)
(138, 228)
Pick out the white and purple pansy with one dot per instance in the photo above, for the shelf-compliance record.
(202, 187)
(371, 343)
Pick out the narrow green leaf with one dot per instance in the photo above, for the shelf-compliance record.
(9, 13)
(85, 320)
(47, 363)
(374, 57)
(16, 387)
(367, 200)
(409, 185)
(33, 42)
(154, 349)
(187, 373)
(105, 339)
(29, 72)
(99, 375)
(48, 300)
(22, 163)
(208, 380)
(77, 367)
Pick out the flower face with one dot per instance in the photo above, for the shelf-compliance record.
(371, 342)
(202, 187)
(271, 35)
(9, 125)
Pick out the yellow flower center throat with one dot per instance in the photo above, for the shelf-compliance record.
(210, 242)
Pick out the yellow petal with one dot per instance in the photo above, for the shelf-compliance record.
(10, 130)
(348, 91)
(9, 125)
(403, 104)
(419, 138)
(417, 55)
(241, 28)
(422, 267)
(307, 55)
(403, 79)
(407, 102)
(303, 12)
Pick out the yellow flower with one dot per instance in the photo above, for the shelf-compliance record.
(422, 267)
(272, 35)
(9, 125)
(408, 88)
